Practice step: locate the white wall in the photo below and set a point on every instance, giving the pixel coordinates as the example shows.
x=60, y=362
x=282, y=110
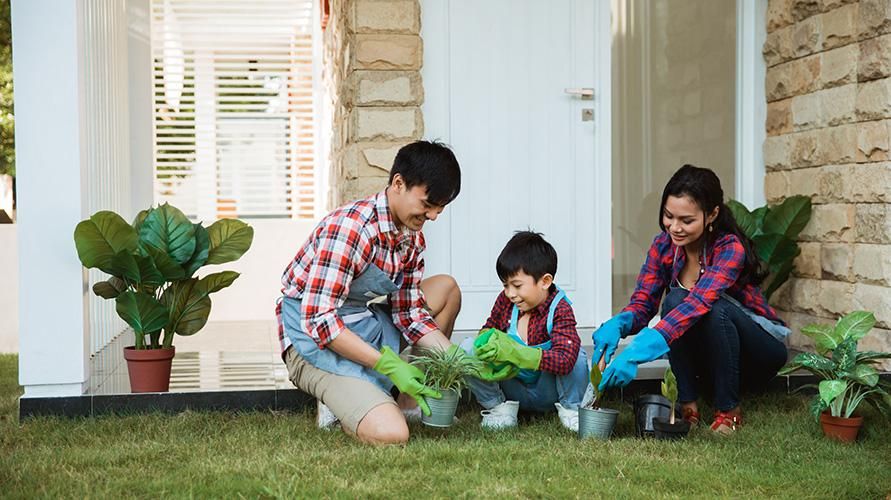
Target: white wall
x=253, y=295
x=9, y=285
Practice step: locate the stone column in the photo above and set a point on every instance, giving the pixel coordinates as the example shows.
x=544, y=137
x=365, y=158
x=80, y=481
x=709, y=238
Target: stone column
x=828, y=89
x=372, y=56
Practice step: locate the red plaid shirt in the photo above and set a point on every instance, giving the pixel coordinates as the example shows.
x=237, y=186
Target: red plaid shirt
x=723, y=260
x=565, y=342
x=342, y=246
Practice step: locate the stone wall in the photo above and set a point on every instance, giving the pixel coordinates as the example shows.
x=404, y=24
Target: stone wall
x=828, y=88
x=372, y=56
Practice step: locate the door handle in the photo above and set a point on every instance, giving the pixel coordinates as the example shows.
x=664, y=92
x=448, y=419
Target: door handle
x=586, y=94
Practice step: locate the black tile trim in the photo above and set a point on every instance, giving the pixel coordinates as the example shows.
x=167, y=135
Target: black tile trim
x=273, y=399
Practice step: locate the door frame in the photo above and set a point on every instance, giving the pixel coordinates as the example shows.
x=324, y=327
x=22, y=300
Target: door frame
x=436, y=73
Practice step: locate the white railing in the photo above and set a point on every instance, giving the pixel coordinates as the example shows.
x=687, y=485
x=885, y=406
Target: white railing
x=106, y=145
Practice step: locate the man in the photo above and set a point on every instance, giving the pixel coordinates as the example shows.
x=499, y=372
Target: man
x=357, y=284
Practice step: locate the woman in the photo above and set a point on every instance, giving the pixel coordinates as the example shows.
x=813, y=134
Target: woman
x=716, y=325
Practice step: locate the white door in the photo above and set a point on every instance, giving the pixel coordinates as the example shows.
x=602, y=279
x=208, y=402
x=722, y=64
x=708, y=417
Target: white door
x=532, y=154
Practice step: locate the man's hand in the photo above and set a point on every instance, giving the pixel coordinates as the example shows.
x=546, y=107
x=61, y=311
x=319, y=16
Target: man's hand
x=407, y=378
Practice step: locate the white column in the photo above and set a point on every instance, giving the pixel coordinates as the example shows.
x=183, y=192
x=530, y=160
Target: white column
x=49, y=81
x=751, y=103
x=139, y=68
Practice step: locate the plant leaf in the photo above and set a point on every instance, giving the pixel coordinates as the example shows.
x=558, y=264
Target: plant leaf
x=865, y=374
x=229, y=240
x=109, y=289
x=817, y=407
x=217, y=281
x=149, y=275
x=199, y=256
x=169, y=230
x=855, y=325
x=669, y=385
x=811, y=362
x=743, y=217
x=824, y=336
x=775, y=249
x=845, y=355
x=759, y=214
x=169, y=269
x=140, y=218
x=141, y=311
x=779, y=277
x=124, y=265
x=789, y=217
x=596, y=376
x=102, y=236
x=831, y=389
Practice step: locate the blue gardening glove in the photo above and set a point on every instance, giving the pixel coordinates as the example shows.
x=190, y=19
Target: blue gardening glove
x=606, y=338
x=647, y=345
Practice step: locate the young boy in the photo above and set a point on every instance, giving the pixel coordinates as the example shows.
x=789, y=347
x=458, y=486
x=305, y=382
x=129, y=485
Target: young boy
x=541, y=340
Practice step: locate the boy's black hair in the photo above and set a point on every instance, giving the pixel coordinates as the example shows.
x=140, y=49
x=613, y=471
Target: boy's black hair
x=430, y=164
x=526, y=251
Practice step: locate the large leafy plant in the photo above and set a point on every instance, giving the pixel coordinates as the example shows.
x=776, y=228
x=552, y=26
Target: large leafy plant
x=152, y=263
x=849, y=376
x=774, y=230
x=446, y=369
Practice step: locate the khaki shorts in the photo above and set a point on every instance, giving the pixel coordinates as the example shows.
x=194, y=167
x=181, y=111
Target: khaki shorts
x=349, y=398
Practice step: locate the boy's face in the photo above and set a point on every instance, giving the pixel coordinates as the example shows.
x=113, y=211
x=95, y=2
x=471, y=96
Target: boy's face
x=409, y=206
x=525, y=292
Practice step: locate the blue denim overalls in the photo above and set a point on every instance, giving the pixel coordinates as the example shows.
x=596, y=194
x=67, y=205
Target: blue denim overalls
x=373, y=323
x=531, y=376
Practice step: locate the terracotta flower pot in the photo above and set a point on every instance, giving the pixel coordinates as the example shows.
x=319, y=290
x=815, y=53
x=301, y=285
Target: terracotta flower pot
x=840, y=428
x=149, y=369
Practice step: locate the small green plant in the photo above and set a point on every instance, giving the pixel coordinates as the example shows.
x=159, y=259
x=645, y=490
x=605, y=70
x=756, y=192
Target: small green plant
x=446, y=368
x=596, y=376
x=774, y=229
x=670, y=391
x=849, y=376
x=152, y=263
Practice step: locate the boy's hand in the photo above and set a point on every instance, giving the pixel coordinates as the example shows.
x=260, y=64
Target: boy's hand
x=500, y=348
x=491, y=372
x=484, y=337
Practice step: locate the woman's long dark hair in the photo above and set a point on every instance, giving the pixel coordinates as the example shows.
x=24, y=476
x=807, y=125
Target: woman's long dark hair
x=704, y=188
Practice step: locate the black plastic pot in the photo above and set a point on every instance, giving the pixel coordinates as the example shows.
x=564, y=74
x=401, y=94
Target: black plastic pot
x=648, y=407
x=664, y=430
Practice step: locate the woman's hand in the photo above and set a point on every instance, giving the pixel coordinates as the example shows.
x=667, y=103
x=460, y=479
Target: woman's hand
x=606, y=338
x=647, y=345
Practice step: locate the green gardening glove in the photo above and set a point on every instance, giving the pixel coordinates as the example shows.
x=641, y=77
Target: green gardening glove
x=409, y=379
x=500, y=348
x=496, y=373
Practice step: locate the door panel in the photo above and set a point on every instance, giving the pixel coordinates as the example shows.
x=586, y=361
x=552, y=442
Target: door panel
x=495, y=74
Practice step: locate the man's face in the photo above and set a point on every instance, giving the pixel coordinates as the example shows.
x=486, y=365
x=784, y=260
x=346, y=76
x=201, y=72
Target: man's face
x=410, y=206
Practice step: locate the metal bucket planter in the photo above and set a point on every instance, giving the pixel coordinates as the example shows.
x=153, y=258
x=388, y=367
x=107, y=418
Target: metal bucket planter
x=840, y=428
x=665, y=430
x=149, y=369
x=597, y=423
x=442, y=411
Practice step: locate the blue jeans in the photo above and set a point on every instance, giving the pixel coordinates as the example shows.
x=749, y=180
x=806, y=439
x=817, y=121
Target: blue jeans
x=725, y=350
x=567, y=389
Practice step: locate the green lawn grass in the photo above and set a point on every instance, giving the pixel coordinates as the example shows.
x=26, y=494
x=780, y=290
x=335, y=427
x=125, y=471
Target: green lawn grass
x=780, y=453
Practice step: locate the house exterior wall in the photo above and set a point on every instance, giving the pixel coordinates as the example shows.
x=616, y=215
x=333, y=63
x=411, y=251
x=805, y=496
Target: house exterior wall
x=373, y=53
x=828, y=88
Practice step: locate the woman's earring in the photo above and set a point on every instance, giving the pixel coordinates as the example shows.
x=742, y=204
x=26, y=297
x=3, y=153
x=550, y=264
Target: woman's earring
x=711, y=227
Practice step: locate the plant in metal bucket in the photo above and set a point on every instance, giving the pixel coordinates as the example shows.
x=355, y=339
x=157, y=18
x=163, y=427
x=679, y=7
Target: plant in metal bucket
x=595, y=421
x=446, y=370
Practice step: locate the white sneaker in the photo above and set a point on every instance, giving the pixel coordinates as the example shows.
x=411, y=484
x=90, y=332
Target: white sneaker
x=325, y=417
x=502, y=416
x=568, y=417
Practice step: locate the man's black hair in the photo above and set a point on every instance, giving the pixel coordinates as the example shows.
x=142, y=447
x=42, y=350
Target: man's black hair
x=430, y=164
x=526, y=251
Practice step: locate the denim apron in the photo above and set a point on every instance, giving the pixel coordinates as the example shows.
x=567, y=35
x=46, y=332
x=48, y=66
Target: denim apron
x=373, y=323
x=527, y=376
x=776, y=330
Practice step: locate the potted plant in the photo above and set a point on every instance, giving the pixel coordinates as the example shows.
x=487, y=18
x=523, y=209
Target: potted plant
x=669, y=427
x=446, y=370
x=847, y=376
x=595, y=421
x=774, y=230
x=152, y=263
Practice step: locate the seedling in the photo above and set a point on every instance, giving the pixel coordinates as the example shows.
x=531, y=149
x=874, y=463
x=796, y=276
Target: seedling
x=670, y=391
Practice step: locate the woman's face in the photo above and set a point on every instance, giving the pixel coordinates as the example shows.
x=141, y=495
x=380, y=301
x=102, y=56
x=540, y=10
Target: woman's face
x=684, y=220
